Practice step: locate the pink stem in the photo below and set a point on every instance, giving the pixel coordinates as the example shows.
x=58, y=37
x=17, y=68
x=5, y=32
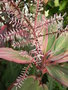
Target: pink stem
x=34, y=32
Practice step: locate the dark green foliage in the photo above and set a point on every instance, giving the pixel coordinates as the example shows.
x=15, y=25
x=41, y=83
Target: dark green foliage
x=54, y=85
x=60, y=7
x=8, y=73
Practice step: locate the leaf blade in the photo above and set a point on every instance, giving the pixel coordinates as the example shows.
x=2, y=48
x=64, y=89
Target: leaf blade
x=31, y=84
x=15, y=56
x=59, y=73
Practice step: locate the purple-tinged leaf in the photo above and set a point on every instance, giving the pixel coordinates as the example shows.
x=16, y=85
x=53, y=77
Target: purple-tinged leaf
x=45, y=42
x=15, y=56
x=45, y=38
x=61, y=58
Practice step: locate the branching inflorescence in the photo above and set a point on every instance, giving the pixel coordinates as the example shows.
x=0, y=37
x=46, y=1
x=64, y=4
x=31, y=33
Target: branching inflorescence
x=21, y=31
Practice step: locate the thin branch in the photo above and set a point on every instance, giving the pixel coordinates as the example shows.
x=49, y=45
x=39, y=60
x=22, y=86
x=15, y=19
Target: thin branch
x=34, y=33
x=16, y=7
x=45, y=23
x=61, y=31
x=51, y=33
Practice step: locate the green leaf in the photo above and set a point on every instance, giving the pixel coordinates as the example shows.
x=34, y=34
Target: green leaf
x=61, y=44
x=51, y=38
x=62, y=5
x=56, y=2
x=31, y=84
x=59, y=73
x=15, y=56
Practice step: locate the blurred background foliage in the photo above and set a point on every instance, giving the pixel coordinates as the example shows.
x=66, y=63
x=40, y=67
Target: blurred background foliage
x=48, y=8
x=9, y=71
x=57, y=6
